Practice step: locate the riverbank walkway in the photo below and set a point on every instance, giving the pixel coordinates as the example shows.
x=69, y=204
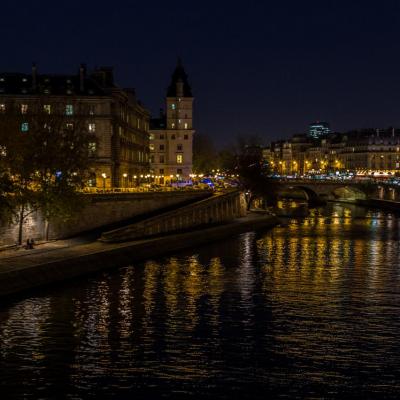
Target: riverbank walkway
x=60, y=260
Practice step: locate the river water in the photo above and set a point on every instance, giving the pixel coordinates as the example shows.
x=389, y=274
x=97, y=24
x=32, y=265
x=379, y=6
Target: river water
x=310, y=309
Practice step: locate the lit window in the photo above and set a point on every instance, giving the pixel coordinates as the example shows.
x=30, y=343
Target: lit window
x=2, y=107
x=24, y=127
x=173, y=125
x=92, y=110
x=92, y=128
x=138, y=123
x=173, y=106
x=179, y=147
x=151, y=136
x=179, y=158
x=70, y=126
x=3, y=151
x=47, y=108
x=161, y=147
x=92, y=148
x=69, y=109
x=186, y=125
x=151, y=146
x=24, y=108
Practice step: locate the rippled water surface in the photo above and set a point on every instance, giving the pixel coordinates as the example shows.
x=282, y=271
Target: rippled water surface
x=306, y=310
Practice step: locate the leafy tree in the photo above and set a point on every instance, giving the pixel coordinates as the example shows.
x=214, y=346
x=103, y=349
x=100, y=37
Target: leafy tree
x=45, y=159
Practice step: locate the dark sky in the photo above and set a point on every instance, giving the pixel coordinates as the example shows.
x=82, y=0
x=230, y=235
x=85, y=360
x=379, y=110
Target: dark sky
x=256, y=67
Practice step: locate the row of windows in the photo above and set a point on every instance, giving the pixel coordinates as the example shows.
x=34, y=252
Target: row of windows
x=173, y=136
x=185, y=125
x=25, y=127
x=179, y=147
x=69, y=109
x=161, y=159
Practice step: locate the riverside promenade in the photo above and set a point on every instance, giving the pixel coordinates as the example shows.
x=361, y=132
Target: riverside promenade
x=66, y=259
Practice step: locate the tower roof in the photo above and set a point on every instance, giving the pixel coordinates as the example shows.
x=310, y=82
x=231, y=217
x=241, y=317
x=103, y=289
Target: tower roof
x=179, y=75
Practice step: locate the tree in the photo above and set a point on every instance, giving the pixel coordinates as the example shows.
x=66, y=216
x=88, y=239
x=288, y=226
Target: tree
x=245, y=159
x=204, y=154
x=45, y=159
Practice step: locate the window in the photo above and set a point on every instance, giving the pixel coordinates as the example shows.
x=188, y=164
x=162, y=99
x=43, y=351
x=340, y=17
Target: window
x=2, y=107
x=92, y=148
x=69, y=126
x=69, y=109
x=47, y=108
x=186, y=125
x=161, y=147
x=92, y=127
x=186, y=137
x=151, y=136
x=151, y=146
x=24, y=127
x=24, y=108
x=173, y=125
x=179, y=158
x=161, y=170
x=3, y=151
x=173, y=106
x=162, y=159
x=162, y=136
x=179, y=171
x=173, y=137
x=179, y=147
x=92, y=110
x=138, y=123
x=152, y=159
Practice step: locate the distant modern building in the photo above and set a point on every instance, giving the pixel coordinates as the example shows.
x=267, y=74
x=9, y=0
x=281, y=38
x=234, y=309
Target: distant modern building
x=121, y=153
x=171, y=135
x=318, y=129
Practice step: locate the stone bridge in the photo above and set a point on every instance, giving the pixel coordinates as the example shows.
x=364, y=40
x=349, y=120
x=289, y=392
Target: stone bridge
x=316, y=191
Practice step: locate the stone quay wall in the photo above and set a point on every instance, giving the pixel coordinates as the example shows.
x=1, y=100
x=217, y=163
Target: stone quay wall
x=101, y=210
x=216, y=209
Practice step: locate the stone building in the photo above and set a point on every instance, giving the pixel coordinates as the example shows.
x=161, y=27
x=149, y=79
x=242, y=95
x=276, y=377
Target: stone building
x=118, y=120
x=171, y=135
x=363, y=152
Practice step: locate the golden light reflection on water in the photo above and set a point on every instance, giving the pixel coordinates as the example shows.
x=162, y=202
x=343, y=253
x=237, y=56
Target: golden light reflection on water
x=308, y=286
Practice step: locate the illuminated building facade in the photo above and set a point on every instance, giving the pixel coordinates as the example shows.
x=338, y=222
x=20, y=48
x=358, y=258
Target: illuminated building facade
x=118, y=120
x=364, y=152
x=171, y=135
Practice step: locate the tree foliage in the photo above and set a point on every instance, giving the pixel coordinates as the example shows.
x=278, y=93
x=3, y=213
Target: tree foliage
x=44, y=159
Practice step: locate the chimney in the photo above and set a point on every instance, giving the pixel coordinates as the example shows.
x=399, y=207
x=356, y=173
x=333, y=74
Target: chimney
x=82, y=74
x=34, y=77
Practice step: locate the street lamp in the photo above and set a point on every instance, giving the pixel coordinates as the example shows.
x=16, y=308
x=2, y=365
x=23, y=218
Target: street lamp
x=104, y=175
x=125, y=175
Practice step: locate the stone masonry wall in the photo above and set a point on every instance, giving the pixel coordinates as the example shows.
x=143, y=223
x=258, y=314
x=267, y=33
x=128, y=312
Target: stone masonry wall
x=102, y=210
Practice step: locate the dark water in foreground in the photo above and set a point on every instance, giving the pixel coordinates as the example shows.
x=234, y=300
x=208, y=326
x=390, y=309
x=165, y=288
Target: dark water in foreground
x=309, y=310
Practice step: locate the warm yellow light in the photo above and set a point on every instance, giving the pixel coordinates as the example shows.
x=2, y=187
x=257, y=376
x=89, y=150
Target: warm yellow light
x=125, y=175
x=104, y=175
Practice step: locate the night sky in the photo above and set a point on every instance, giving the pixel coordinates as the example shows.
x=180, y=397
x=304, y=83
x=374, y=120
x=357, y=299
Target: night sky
x=256, y=67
